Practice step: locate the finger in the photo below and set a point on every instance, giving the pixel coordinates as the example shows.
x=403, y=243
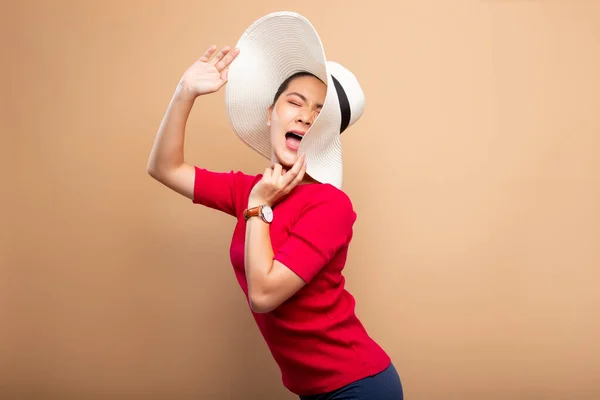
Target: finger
x=219, y=55
x=292, y=173
x=208, y=53
x=227, y=59
x=300, y=175
x=297, y=180
x=224, y=75
x=267, y=173
x=277, y=171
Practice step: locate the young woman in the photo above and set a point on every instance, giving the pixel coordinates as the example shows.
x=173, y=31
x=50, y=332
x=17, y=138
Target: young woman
x=294, y=223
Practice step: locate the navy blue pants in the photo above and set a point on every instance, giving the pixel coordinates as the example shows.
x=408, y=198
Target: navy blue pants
x=382, y=386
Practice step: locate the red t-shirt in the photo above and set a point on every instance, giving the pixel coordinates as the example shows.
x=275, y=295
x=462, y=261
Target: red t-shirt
x=315, y=337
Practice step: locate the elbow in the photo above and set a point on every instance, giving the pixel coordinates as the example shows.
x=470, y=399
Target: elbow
x=161, y=170
x=155, y=171
x=260, y=303
x=151, y=169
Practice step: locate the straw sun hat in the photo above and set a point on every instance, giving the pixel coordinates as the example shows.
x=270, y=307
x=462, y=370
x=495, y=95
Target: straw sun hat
x=274, y=47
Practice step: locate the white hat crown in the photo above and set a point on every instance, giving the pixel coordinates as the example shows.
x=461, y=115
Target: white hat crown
x=350, y=88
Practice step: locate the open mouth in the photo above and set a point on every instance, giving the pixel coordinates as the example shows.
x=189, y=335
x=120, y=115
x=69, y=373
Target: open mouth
x=293, y=139
x=293, y=135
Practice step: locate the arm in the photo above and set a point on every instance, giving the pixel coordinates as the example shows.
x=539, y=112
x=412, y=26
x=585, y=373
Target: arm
x=166, y=163
x=324, y=228
x=270, y=283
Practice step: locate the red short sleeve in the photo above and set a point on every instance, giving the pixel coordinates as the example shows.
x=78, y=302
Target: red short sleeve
x=324, y=227
x=223, y=191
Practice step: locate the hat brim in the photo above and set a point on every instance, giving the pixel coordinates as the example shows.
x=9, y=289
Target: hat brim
x=273, y=48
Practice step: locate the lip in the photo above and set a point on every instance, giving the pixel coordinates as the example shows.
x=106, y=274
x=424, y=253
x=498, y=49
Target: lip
x=292, y=145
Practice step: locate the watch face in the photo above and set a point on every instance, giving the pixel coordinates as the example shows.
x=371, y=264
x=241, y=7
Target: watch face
x=267, y=213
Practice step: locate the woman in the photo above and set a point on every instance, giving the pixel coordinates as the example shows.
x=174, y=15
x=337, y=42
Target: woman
x=294, y=223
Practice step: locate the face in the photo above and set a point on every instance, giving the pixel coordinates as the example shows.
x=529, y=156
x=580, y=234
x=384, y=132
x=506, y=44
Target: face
x=294, y=112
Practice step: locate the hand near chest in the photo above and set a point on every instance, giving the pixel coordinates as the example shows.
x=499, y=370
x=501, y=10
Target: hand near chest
x=276, y=183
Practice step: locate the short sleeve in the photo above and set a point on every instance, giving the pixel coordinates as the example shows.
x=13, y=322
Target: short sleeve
x=323, y=228
x=223, y=191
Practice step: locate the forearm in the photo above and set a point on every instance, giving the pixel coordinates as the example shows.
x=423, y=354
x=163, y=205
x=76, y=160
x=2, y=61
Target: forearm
x=168, y=151
x=258, y=258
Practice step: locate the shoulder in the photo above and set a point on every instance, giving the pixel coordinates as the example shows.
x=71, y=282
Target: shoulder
x=329, y=193
x=244, y=178
x=243, y=184
x=331, y=202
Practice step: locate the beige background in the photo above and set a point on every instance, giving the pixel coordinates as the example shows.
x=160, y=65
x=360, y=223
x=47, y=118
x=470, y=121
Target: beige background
x=474, y=172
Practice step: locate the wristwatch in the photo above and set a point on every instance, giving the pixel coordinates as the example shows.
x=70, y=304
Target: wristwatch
x=263, y=211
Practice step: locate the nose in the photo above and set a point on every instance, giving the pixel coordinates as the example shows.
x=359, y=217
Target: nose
x=305, y=117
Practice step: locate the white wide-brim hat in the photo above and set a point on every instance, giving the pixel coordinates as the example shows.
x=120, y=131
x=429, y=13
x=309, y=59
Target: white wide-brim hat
x=273, y=48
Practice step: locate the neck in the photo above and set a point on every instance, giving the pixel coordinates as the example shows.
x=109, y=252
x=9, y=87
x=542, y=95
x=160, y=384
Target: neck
x=308, y=179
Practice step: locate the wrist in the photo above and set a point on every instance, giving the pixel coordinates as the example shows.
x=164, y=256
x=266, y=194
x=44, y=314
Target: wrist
x=255, y=201
x=184, y=93
x=259, y=209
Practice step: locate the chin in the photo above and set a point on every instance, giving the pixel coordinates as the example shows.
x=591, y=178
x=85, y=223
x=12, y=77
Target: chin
x=286, y=157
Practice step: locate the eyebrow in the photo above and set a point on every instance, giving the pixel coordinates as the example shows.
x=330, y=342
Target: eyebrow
x=303, y=98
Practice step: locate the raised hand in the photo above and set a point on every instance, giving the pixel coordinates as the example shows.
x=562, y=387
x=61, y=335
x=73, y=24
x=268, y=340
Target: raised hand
x=276, y=183
x=208, y=74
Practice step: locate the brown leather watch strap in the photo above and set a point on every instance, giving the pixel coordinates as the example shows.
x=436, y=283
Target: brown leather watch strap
x=252, y=212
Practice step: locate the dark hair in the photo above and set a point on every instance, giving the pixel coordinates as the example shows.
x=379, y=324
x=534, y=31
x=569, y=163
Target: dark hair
x=286, y=83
